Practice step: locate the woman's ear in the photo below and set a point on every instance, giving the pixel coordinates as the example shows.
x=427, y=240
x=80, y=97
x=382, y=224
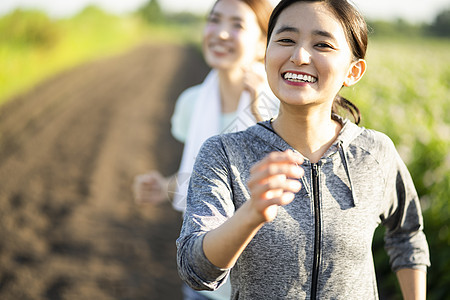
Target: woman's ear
x=356, y=72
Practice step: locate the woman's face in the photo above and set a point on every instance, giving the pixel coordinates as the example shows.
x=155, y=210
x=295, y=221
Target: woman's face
x=232, y=37
x=308, y=58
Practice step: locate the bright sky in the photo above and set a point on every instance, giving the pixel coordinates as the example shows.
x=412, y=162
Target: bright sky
x=411, y=10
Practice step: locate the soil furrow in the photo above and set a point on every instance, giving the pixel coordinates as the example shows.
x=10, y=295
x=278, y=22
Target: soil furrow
x=69, y=150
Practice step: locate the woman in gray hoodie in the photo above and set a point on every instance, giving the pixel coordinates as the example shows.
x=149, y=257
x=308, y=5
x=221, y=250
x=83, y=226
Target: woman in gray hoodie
x=288, y=207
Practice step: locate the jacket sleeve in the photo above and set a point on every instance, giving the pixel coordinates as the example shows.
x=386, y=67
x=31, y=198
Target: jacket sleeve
x=209, y=204
x=405, y=241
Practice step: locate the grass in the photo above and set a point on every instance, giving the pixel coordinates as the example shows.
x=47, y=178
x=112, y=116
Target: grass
x=406, y=94
x=26, y=64
x=88, y=36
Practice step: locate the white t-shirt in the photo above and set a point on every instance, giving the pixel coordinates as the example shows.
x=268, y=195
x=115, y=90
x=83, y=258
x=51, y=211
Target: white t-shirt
x=184, y=108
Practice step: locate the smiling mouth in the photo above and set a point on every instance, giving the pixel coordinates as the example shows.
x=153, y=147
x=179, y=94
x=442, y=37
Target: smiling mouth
x=219, y=49
x=299, y=77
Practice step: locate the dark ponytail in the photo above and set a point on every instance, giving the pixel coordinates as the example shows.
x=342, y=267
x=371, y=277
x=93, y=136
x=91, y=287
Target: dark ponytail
x=341, y=103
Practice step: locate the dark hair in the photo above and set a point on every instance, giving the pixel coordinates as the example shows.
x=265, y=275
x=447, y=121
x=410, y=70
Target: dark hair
x=356, y=32
x=262, y=10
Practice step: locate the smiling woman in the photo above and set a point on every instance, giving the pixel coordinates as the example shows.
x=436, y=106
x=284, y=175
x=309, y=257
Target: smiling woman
x=228, y=32
x=288, y=208
x=234, y=95
x=327, y=47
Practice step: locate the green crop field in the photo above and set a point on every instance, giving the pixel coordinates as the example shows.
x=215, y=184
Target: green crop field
x=406, y=94
x=34, y=47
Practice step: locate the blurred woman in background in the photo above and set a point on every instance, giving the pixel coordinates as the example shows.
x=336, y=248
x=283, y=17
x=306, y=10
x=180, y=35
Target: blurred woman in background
x=234, y=96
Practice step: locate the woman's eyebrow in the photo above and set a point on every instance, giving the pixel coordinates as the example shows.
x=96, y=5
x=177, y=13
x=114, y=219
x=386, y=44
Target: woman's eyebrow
x=237, y=19
x=287, y=29
x=324, y=34
x=232, y=18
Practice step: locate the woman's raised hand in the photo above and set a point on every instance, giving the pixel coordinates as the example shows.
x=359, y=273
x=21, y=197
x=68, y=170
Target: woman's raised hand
x=274, y=182
x=150, y=188
x=253, y=82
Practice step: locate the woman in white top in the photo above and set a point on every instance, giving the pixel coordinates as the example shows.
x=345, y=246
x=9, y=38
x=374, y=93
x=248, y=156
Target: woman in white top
x=234, y=96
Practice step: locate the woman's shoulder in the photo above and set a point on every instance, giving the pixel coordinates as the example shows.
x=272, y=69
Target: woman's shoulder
x=376, y=138
x=235, y=139
x=377, y=143
x=254, y=138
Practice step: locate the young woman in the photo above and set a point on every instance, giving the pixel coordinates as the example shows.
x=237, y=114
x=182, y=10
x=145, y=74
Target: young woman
x=234, y=95
x=288, y=207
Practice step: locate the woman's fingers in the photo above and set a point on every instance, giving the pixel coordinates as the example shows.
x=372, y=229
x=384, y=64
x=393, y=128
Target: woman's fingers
x=149, y=188
x=287, y=156
x=287, y=169
x=274, y=184
x=275, y=179
x=277, y=163
x=281, y=194
x=253, y=82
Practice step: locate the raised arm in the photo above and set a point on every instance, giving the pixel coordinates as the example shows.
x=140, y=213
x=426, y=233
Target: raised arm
x=273, y=182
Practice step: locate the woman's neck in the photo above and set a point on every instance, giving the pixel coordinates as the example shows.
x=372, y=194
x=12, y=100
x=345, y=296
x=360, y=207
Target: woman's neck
x=230, y=87
x=310, y=131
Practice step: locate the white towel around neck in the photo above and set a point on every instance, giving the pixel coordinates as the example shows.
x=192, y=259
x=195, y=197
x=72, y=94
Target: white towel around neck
x=205, y=123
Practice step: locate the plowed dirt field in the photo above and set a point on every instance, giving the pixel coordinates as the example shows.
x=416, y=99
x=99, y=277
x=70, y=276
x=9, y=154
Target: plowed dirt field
x=69, y=149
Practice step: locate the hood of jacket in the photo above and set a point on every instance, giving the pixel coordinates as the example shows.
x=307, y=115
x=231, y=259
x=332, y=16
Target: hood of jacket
x=347, y=135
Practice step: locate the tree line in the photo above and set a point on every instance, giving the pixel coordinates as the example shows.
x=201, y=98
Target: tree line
x=152, y=13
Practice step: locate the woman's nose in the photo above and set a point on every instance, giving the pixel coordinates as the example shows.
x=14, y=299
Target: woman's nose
x=224, y=33
x=301, y=56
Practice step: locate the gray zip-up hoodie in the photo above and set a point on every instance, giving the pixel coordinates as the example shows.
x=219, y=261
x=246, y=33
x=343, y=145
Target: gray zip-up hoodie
x=319, y=245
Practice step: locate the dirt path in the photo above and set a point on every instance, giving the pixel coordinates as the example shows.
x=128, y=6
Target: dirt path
x=68, y=152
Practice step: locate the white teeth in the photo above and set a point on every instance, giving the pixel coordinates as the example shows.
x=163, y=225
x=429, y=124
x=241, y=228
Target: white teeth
x=219, y=48
x=299, y=77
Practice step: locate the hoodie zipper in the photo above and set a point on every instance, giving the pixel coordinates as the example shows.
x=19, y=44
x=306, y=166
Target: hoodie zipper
x=317, y=230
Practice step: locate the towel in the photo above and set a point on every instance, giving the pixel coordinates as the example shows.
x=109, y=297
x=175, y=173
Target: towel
x=205, y=123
